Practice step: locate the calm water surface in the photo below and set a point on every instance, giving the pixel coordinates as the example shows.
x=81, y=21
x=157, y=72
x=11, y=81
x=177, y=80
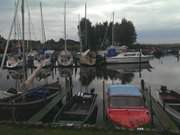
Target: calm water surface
x=163, y=71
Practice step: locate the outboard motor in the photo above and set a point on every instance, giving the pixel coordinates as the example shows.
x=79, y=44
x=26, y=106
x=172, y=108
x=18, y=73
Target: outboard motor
x=164, y=88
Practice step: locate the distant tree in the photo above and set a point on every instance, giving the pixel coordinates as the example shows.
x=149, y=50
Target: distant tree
x=125, y=33
x=85, y=30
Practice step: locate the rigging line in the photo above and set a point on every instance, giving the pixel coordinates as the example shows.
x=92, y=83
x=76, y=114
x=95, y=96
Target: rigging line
x=29, y=24
x=42, y=25
x=65, y=26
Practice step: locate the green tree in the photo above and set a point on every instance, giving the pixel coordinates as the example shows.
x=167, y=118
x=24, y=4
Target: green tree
x=85, y=30
x=125, y=33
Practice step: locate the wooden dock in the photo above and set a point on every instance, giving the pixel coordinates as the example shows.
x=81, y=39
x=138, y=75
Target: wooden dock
x=166, y=123
x=43, y=112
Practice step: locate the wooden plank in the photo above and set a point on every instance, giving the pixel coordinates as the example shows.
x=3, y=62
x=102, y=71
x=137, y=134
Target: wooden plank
x=38, y=116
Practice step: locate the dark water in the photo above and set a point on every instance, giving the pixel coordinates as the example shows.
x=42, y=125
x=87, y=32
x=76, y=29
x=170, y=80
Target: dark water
x=163, y=71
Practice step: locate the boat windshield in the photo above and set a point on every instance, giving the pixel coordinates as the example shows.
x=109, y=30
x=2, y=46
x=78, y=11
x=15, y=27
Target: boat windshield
x=119, y=101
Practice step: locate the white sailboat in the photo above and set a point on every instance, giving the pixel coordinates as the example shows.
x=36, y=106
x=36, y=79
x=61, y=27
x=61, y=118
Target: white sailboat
x=15, y=60
x=65, y=57
x=87, y=58
x=44, y=58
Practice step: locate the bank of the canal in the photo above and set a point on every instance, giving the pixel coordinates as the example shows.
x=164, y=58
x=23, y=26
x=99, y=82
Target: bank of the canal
x=24, y=130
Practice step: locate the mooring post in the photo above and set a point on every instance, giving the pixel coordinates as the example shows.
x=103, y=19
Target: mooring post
x=142, y=84
x=151, y=108
x=140, y=51
x=143, y=88
x=104, y=115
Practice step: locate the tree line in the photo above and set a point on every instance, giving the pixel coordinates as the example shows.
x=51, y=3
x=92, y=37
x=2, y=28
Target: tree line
x=99, y=36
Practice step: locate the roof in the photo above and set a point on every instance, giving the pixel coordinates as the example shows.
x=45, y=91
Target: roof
x=123, y=90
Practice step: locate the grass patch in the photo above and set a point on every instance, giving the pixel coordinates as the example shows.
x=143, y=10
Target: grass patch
x=23, y=130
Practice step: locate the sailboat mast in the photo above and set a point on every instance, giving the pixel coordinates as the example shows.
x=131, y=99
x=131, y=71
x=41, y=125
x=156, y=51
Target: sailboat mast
x=79, y=32
x=29, y=26
x=23, y=38
x=113, y=30
x=42, y=25
x=65, y=42
x=9, y=36
x=86, y=43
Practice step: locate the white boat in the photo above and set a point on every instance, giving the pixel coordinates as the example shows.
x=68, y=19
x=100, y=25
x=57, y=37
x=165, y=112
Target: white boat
x=46, y=58
x=14, y=62
x=43, y=59
x=65, y=57
x=128, y=57
x=88, y=58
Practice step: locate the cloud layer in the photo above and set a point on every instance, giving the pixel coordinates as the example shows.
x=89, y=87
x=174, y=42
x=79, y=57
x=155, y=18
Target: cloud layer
x=156, y=21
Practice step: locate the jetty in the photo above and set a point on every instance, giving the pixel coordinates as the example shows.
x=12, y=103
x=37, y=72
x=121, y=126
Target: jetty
x=43, y=112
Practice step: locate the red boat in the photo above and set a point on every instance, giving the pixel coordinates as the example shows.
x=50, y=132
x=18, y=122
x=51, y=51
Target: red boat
x=126, y=107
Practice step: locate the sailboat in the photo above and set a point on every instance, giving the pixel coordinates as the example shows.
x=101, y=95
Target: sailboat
x=87, y=58
x=65, y=57
x=15, y=60
x=46, y=55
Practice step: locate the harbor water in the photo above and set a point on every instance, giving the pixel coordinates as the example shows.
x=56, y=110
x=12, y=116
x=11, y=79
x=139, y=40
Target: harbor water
x=160, y=71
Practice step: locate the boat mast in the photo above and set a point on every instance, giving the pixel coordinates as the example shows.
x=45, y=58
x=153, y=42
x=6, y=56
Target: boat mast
x=113, y=31
x=42, y=26
x=65, y=42
x=79, y=21
x=29, y=26
x=86, y=43
x=23, y=38
x=10, y=33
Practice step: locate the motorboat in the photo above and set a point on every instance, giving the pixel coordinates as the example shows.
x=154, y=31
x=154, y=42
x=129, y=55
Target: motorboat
x=125, y=106
x=128, y=57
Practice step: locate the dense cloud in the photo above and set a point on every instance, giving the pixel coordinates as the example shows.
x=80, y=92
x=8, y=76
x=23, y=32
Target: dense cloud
x=156, y=21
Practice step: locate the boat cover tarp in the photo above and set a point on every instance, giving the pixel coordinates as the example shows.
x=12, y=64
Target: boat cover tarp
x=38, y=92
x=124, y=90
x=111, y=52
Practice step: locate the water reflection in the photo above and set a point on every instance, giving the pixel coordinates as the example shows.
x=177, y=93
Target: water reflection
x=72, y=80
x=87, y=75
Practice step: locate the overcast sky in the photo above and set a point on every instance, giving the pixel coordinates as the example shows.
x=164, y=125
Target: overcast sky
x=156, y=21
